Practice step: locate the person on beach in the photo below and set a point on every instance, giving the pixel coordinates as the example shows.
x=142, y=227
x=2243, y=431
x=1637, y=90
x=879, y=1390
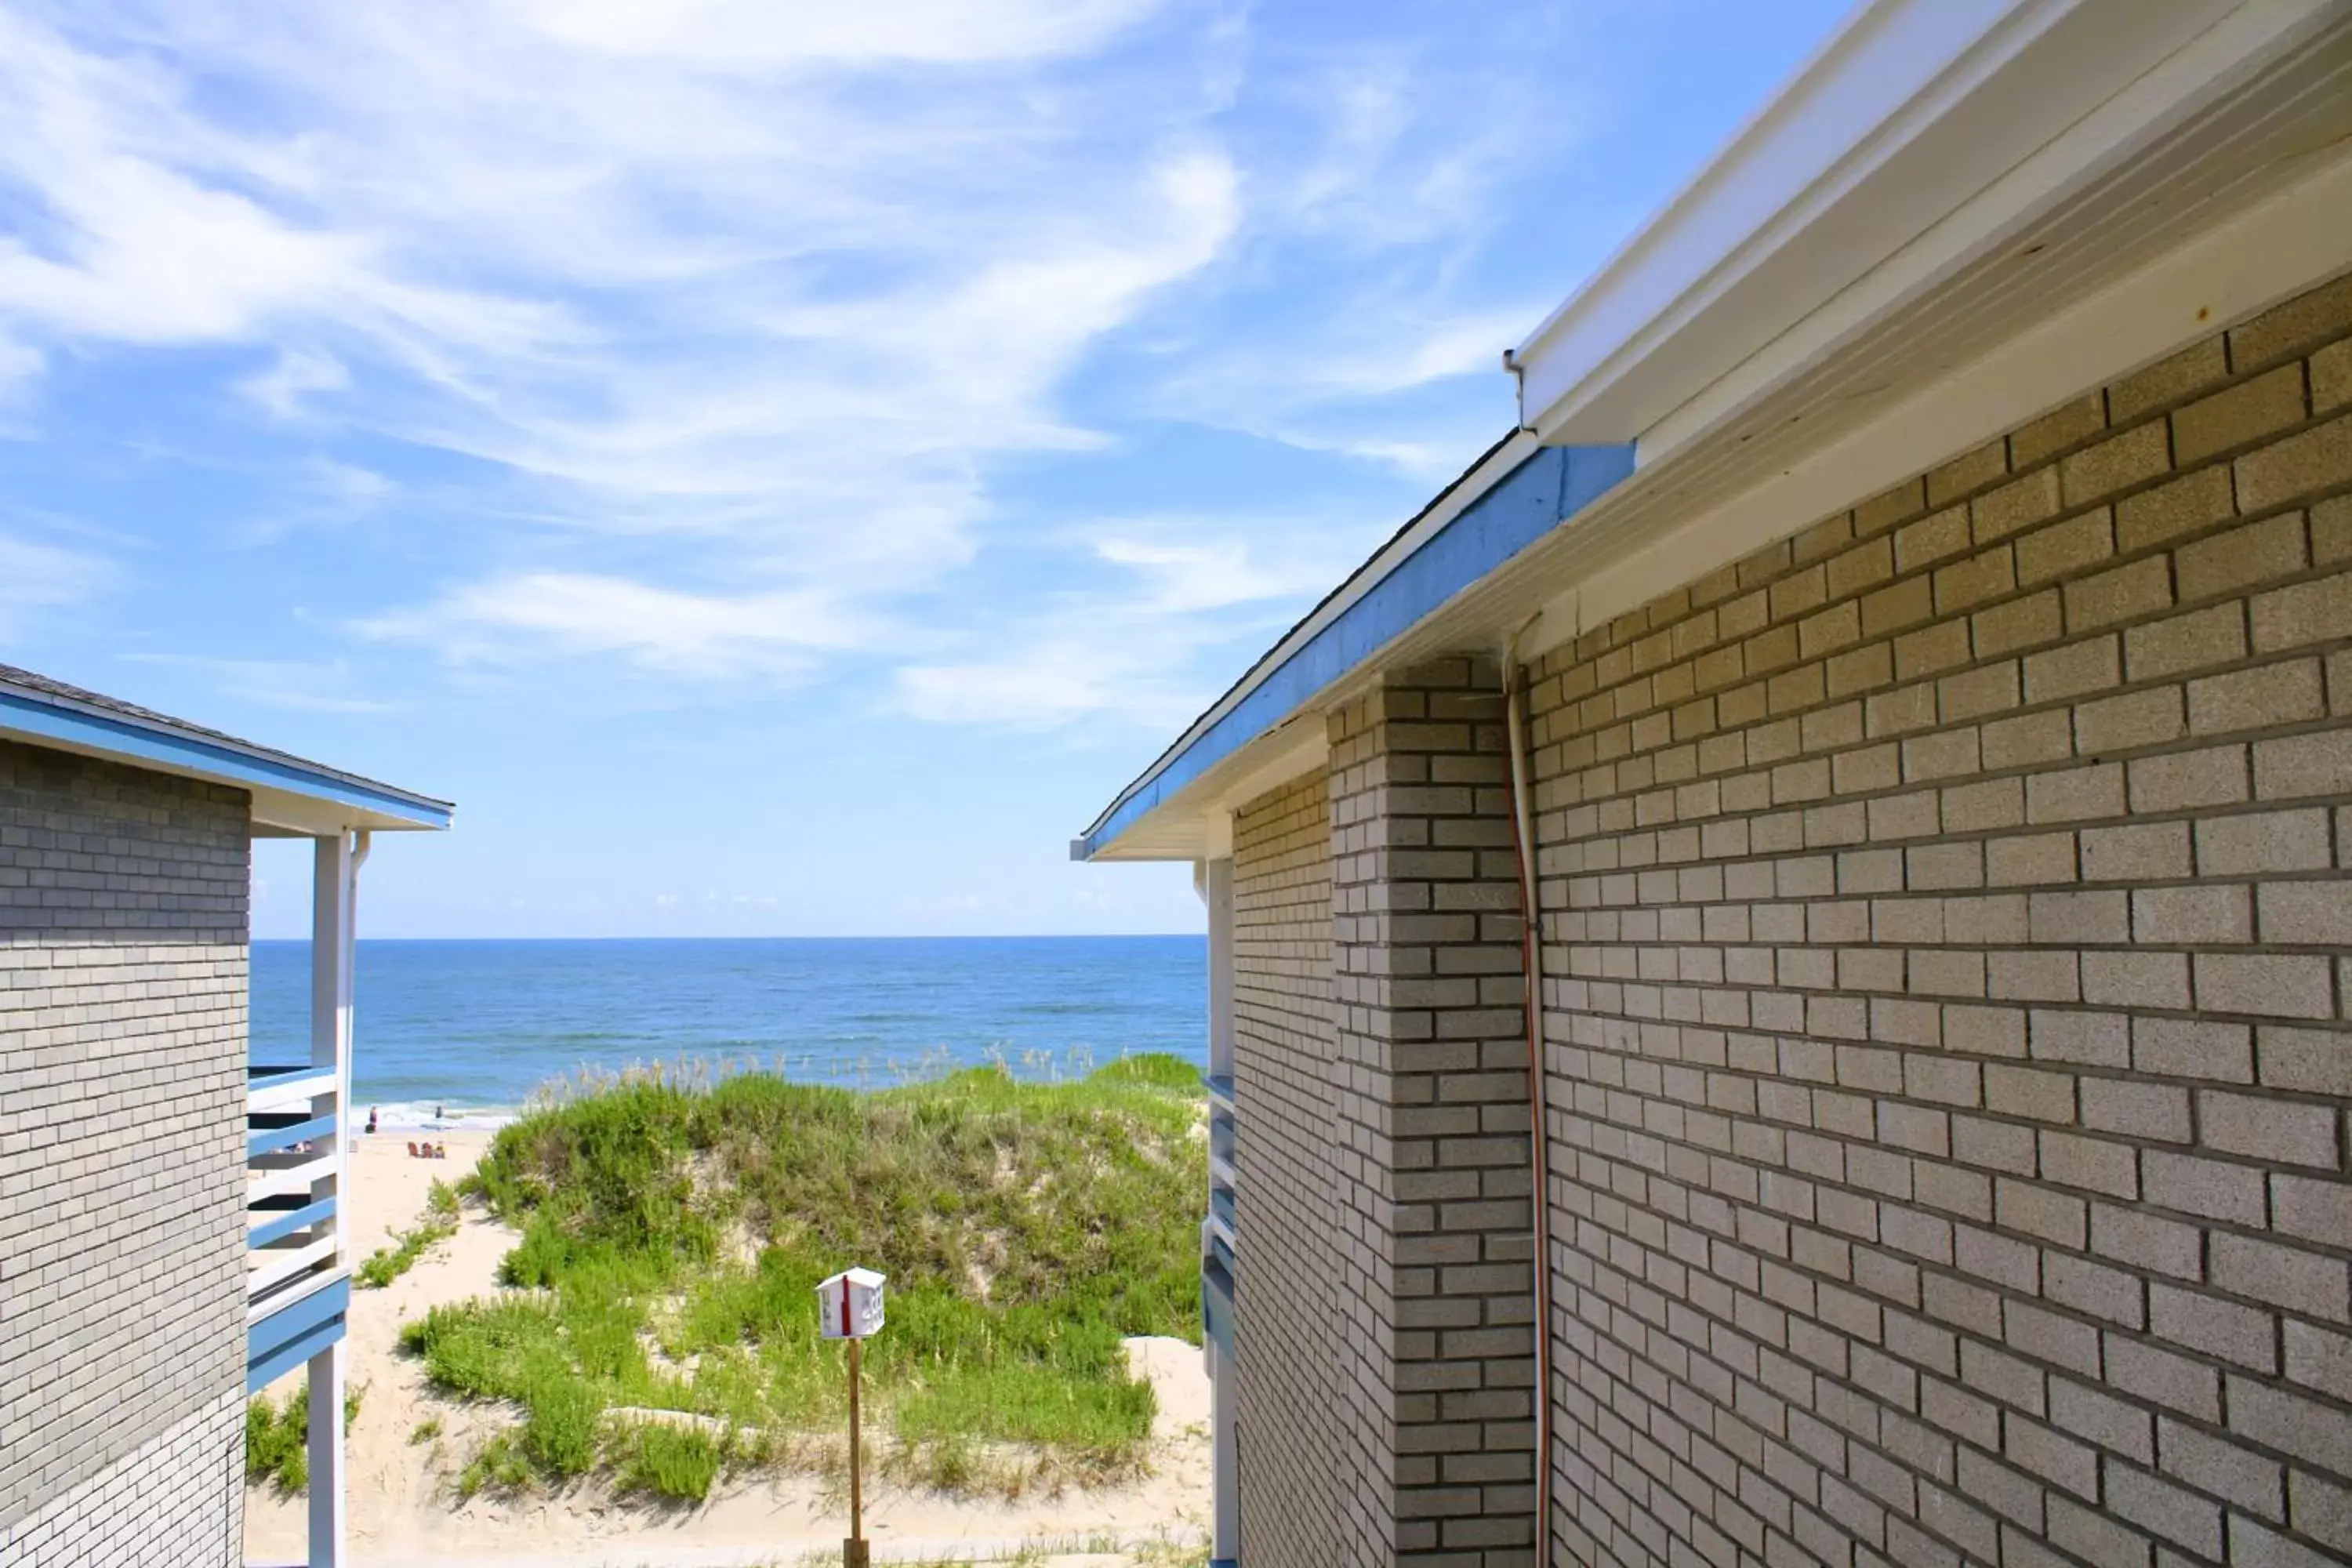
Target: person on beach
x=371, y=1126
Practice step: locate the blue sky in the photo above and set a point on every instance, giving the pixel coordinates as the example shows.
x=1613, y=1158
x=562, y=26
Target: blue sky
x=780, y=467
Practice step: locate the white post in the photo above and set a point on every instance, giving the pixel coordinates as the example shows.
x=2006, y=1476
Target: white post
x=333, y=888
x=1218, y=892
x=1224, y=1453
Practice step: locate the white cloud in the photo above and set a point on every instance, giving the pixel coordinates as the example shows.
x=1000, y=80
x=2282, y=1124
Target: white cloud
x=719, y=255
x=663, y=631
x=18, y=366
x=741, y=34
x=1133, y=649
x=743, y=307
x=285, y=386
x=38, y=578
x=328, y=687
x=757, y=277
x=347, y=485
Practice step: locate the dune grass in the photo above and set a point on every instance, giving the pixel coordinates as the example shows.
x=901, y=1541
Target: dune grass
x=673, y=1237
x=278, y=1438
x=438, y=1222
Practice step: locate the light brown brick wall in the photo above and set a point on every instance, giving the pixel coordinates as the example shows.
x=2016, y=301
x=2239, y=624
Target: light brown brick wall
x=1432, y=1122
x=1286, y=1309
x=122, y=1054
x=1949, y=955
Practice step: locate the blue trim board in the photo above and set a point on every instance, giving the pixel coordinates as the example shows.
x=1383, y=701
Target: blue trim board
x=295, y=1333
x=260, y=1374
x=180, y=751
x=1551, y=486
x=1217, y=1306
x=287, y=1223
x=263, y=1141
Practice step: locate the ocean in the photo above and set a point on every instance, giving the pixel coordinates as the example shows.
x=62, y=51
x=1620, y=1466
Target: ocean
x=463, y=1033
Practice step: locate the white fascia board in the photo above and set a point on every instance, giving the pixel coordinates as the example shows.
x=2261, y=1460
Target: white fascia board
x=2180, y=85
x=1911, y=110
x=2298, y=237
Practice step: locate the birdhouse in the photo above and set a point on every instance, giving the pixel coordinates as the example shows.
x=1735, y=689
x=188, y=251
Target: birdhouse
x=849, y=1305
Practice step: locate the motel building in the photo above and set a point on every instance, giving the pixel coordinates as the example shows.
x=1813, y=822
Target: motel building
x=1903, y=657
x=169, y=1241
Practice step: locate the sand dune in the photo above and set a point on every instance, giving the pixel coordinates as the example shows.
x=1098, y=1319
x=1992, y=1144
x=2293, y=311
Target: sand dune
x=402, y=1512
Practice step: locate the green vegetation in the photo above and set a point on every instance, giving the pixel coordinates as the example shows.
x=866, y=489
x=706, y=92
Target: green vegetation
x=276, y=1437
x=658, y=1459
x=673, y=1237
x=438, y=1222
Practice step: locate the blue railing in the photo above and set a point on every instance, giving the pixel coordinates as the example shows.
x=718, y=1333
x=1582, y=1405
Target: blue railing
x=296, y=1294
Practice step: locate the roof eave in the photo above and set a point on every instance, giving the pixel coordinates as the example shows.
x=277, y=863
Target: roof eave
x=1680, y=346
x=289, y=794
x=1514, y=496
x=1932, y=130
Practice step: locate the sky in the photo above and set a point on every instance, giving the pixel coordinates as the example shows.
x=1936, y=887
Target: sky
x=779, y=466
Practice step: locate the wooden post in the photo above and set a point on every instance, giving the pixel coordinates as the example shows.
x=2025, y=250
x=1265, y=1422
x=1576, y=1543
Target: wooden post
x=852, y=1550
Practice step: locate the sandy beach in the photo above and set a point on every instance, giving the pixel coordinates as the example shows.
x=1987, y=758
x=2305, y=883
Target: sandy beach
x=402, y=1510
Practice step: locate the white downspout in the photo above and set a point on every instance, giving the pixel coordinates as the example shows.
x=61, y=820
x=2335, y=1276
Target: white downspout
x=1523, y=842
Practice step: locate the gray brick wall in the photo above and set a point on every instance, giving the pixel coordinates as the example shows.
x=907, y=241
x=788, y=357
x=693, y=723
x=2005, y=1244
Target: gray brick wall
x=123, y=1048
x=178, y=1501
x=1950, y=958
x=1286, y=1310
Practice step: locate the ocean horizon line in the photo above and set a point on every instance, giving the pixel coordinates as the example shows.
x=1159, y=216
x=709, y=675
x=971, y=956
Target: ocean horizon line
x=486, y=1021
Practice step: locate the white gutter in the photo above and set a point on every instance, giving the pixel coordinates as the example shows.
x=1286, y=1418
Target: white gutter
x=1909, y=113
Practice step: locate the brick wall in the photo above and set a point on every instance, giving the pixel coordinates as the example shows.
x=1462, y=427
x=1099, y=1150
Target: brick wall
x=179, y=1499
x=1286, y=1306
x=122, y=1046
x=1946, y=935
x=1432, y=1114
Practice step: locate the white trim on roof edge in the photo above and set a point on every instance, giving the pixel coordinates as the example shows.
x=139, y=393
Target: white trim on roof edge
x=1934, y=127
x=2296, y=239
x=2005, y=212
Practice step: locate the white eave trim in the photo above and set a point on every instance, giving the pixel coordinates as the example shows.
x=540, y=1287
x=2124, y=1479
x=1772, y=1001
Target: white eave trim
x=1885, y=140
x=2292, y=241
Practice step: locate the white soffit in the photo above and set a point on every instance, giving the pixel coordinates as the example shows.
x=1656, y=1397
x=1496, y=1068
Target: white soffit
x=1652, y=536
x=1937, y=131
x=2243, y=199
x=1197, y=822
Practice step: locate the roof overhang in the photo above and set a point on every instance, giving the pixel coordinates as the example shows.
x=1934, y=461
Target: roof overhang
x=1995, y=156
x=290, y=796
x=1519, y=492
x=1959, y=214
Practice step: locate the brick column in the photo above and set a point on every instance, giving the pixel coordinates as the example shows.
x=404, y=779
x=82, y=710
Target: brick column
x=1431, y=1119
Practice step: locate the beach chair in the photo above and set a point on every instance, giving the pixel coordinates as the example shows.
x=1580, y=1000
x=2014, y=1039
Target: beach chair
x=412, y=1149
